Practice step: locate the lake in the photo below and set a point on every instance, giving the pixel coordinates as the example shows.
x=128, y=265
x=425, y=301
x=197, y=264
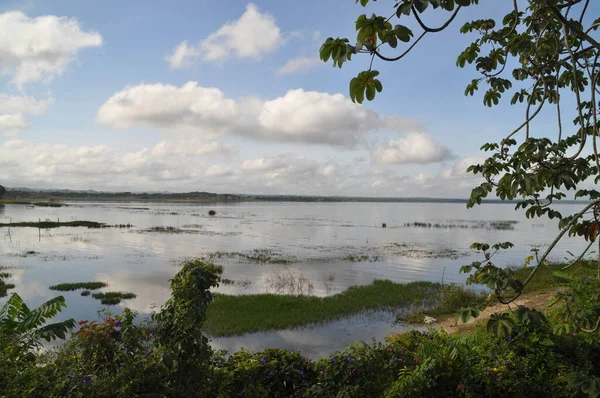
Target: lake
x=322, y=247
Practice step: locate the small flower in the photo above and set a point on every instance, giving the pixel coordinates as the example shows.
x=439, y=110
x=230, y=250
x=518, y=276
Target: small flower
x=148, y=351
x=401, y=360
x=347, y=361
x=574, y=334
x=391, y=362
x=150, y=335
x=507, y=362
x=291, y=352
x=461, y=385
x=85, y=380
x=118, y=324
x=271, y=373
x=264, y=360
x=332, y=360
x=322, y=373
x=301, y=372
x=70, y=374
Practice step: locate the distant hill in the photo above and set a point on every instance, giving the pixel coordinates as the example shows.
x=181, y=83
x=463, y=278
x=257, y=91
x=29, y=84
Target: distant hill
x=208, y=197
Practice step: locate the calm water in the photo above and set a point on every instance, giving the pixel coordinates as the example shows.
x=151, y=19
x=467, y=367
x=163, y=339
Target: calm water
x=320, y=240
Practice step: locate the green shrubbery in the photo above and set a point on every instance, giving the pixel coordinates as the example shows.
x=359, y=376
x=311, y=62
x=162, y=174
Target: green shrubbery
x=522, y=354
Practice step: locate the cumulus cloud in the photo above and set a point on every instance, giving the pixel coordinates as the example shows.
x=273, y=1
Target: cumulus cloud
x=298, y=64
x=12, y=124
x=299, y=116
x=35, y=49
x=419, y=148
x=253, y=35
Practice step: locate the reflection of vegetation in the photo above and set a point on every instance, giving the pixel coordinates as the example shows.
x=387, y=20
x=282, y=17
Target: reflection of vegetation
x=113, y=298
x=4, y=287
x=67, y=287
x=236, y=315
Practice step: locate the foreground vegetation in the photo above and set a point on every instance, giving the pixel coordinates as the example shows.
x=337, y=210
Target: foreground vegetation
x=169, y=356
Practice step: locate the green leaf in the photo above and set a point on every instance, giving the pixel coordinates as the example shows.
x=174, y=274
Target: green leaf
x=421, y=5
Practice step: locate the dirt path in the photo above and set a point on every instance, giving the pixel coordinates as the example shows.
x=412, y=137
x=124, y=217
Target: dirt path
x=537, y=300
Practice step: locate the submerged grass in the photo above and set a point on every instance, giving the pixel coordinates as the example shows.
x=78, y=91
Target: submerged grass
x=67, y=287
x=236, y=315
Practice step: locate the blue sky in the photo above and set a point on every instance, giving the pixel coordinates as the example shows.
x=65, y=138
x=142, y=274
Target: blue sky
x=196, y=95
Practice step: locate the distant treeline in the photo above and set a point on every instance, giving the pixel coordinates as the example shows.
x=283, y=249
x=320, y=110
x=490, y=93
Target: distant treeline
x=207, y=197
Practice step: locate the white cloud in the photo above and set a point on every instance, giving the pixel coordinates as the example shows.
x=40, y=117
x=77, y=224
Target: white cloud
x=299, y=64
x=299, y=116
x=40, y=165
x=419, y=148
x=253, y=35
x=21, y=104
x=35, y=49
x=12, y=124
x=183, y=56
x=459, y=169
x=12, y=109
x=187, y=148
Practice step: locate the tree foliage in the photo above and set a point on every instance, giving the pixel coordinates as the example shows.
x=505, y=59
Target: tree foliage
x=542, y=55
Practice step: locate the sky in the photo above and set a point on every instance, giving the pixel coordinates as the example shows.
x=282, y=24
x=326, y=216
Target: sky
x=230, y=97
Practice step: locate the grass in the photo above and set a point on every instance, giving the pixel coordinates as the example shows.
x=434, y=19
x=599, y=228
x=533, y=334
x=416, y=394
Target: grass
x=67, y=287
x=236, y=315
x=85, y=293
x=55, y=224
x=553, y=275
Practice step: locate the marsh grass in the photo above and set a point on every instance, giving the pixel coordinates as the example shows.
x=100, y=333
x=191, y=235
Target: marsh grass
x=85, y=293
x=236, y=315
x=289, y=282
x=67, y=287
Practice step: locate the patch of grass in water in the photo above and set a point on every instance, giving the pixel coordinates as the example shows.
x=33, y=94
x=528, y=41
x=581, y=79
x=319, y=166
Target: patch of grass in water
x=236, y=315
x=85, y=293
x=169, y=230
x=67, y=287
x=260, y=256
x=113, y=298
x=466, y=224
x=55, y=224
x=226, y=281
